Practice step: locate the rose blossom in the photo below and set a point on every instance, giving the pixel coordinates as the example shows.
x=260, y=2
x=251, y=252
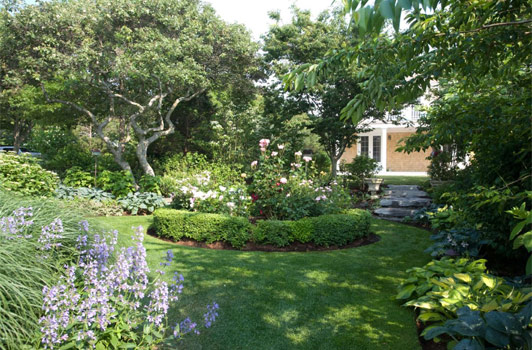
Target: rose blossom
x=307, y=158
x=280, y=146
x=283, y=180
x=298, y=154
x=254, y=163
x=274, y=154
x=263, y=143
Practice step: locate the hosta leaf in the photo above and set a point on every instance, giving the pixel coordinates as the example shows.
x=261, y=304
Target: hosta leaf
x=469, y=344
x=406, y=292
x=431, y=316
x=463, y=277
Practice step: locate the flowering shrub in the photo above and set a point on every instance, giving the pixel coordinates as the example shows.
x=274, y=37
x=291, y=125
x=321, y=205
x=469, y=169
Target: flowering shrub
x=106, y=300
x=291, y=192
x=202, y=193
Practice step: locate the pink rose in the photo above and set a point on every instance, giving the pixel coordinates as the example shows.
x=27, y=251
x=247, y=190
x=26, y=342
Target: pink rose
x=283, y=180
x=280, y=146
x=254, y=163
x=307, y=158
x=263, y=143
x=274, y=154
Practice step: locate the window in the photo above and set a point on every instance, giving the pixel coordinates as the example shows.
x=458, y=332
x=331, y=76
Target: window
x=377, y=148
x=364, y=146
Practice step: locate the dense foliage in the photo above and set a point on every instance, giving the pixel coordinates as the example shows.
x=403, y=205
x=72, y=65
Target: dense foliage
x=24, y=175
x=324, y=230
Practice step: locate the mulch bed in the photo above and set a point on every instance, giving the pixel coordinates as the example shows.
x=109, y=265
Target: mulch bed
x=294, y=247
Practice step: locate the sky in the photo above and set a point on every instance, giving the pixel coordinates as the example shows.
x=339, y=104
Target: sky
x=254, y=13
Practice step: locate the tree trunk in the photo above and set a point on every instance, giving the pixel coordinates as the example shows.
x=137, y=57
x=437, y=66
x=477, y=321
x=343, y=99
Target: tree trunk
x=21, y=130
x=334, y=166
x=142, y=155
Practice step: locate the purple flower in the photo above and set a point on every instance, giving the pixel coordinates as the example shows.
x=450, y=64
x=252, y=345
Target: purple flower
x=211, y=314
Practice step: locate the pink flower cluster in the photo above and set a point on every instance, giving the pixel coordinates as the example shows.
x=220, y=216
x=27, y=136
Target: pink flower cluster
x=263, y=143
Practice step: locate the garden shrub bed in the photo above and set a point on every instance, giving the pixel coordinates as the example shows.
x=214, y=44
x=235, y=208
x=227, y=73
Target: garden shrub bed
x=351, y=228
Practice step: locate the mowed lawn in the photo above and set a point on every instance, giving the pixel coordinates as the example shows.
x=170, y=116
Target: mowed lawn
x=341, y=299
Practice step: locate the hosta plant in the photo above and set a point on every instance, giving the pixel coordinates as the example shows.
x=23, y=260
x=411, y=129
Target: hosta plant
x=442, y=287
x=475, y=330
x=141, y=202
x=465, y=242
x=96, y=194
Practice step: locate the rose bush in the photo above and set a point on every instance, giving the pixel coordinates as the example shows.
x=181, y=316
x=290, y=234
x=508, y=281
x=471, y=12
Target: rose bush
x=290, y=192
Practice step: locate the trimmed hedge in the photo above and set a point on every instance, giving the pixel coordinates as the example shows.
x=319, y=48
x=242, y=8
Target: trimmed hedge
x=202, y=227
x=324, y=230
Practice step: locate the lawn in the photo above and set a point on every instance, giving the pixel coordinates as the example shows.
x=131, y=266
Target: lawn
x=404, y=180
x=319, y=300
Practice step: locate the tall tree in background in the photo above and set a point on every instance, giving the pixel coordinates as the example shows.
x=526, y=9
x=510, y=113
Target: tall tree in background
x=133, y=61
x=304, y=40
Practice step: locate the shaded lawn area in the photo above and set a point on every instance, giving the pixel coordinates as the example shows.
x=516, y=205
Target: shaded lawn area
x=339, y=299
x=404, y=180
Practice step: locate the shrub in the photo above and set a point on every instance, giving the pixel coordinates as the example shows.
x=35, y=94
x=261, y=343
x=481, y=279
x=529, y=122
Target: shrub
x=141, y=202
x=325, y=230
x=442, y=166
x=275, y=232
x=340, y=229
x=76, y=177
x=292, y=192
x=22, y=174
x=149, y=183
x=360, y=168
x=301, y=230
x=119, y=183
x=202, y=227
x=24, y=270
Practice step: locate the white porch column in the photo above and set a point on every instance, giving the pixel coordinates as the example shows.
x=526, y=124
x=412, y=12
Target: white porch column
x=384, y=141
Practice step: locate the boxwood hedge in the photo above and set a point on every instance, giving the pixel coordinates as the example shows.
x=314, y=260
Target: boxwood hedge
x=324, y=230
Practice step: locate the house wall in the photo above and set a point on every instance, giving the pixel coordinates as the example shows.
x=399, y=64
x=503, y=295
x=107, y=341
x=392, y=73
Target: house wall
x=399, y=161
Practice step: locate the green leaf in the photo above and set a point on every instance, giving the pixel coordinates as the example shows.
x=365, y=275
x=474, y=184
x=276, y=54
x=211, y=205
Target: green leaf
x=68, y=345
x=529, y=265
x=433, y=332
x=406, y=292
x=503, y=322
x=490, y=282
x=497, y=338
x=100, y=346
x=463, y=277
x=431, y=316
x=517, y=229
x=387, y=9
x=468, y=344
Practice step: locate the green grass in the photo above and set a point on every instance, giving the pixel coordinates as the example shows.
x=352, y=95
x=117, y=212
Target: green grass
x=404, y=180
x=340, y=299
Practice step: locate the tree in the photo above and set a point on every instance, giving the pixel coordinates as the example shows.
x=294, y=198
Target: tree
x=133, y=62
x=444, y=39
x=304, y=40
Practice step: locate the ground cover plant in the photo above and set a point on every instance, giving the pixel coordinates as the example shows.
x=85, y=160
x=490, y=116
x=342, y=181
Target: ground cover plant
x=339, y=299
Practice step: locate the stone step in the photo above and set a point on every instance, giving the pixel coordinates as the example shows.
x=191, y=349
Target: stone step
x=398, y=213
x=403, y=187
x=405, y=202
x=405, y=194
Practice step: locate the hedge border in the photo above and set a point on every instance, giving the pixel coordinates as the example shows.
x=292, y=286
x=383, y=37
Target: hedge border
x=323, y=231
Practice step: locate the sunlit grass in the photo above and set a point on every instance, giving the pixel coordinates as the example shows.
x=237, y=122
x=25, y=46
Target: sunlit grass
x=318, y=300
x=404, y=180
